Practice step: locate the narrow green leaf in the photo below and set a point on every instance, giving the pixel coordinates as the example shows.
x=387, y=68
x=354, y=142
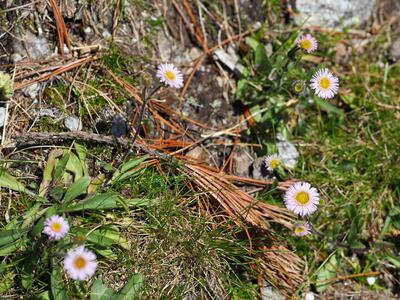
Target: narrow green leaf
x=132, y=289
x=128, y=169
x=8, y=181
x=79, y=187
x=325, y=105
x=8, y=236
x=106, y=237
x=58, y=290
x=101, y=291
x=101, y=201
x=60, y=167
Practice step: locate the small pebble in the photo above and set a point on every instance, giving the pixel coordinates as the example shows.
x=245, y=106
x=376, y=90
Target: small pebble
x=73, y=123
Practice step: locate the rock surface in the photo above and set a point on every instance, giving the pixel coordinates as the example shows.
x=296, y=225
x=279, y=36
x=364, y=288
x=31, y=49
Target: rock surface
x=334, y=13
x=2, y=116
x=73, y=123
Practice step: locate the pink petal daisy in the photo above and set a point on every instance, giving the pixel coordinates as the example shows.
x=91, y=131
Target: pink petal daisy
x=325, y=84
x=80, y=263
x=56, y=227
x=301, y=198
x=170, y=75
x=302, y=229
x=308, y=43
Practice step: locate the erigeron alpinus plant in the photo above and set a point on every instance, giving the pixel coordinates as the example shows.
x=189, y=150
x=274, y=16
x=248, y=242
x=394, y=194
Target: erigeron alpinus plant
x=275, y=87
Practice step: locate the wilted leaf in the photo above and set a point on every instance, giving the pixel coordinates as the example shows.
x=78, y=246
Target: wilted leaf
x=326, y=272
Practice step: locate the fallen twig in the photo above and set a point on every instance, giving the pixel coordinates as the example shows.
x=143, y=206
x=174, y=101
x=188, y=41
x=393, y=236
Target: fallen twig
x=30, y=139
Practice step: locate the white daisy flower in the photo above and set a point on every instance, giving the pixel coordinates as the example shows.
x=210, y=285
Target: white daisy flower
x=301, y=198
x=56, y=227
x=170, y=75
x=80, y=263
x=325, y=84
x=302, y=229
x=308, y=43
x=272, y=162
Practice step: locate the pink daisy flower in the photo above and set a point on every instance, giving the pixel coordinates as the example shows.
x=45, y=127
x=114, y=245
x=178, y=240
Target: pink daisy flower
x=325, y=84
x=170, y=75
x=56, y=227
x=301, y=198
x=308, y=43
x=302, y=229
x=80, y=263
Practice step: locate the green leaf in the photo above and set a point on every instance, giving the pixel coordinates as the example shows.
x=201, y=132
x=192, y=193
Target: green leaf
x=8, y=181
x=326, y=106
x=394, y=260
x=107, y=253
x=12, y=247
x=79, y=187
x=106, y=237
x=260, y=56
x=101, y=291
x=48, y=171
x=100, y=201
x=132, y=289
x=75, y=166
x=6, y=282
x=81, y=152
x=60, y=167
x=326, y=271
x=58, y=290
x=128, y=169
x=8, y=236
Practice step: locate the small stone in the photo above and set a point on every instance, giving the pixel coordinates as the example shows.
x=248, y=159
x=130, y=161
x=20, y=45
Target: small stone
x=34, y=46
x=242, y=163
x=287, y=152
x=269, y=293
x=2, y=116
x=334, y=13
x=394, y=51
x=32, y=91
x=119, y=128
x=72, y=123
x=259, y=170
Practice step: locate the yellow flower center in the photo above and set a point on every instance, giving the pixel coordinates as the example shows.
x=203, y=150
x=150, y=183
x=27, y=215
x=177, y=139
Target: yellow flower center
x=302, y=197
x=298, y=87
x=275, y=163
x=170, y=75
x=80, y=262
x=324, y=82
x=56, y=227
x=306, y=44
x=299, y=229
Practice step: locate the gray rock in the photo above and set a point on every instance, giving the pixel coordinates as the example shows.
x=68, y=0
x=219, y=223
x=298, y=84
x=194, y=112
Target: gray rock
x=73, y=123
x=287, y=152
x=269, y=293
x=2, y=116
x=32, y=91
x=259, y=170
x=49, y=112
x=394, y=51
x=242, y=163
x=32, y=46
x=334, y=13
